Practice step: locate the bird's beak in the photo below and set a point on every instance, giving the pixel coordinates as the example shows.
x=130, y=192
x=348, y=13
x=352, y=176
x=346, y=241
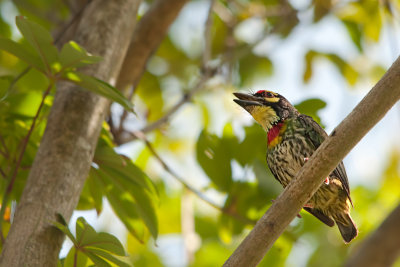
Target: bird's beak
x=246, y=101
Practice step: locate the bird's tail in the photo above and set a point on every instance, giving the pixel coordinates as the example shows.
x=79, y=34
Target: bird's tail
x=346, y=226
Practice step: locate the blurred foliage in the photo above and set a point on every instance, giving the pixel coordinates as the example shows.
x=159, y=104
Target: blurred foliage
x=206, y=143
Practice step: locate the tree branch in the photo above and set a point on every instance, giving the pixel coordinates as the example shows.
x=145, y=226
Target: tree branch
x=66, y=151
x=382, y=247
x=148, y=35
x=349, y=132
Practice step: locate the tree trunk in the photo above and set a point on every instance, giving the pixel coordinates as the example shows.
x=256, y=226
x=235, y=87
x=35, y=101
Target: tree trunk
x=65, y=154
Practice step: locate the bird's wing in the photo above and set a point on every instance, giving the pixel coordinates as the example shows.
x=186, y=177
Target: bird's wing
x=320, y=216
x=317, y=135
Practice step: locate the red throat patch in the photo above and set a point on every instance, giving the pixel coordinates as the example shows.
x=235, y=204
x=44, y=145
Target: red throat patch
x=274, y=132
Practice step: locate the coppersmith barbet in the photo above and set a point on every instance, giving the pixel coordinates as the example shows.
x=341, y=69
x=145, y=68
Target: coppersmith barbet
x=291, y=139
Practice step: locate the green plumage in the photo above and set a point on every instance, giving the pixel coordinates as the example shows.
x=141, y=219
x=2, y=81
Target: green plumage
x=292, y=139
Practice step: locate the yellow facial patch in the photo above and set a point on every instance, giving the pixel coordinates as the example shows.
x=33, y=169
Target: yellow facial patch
x=272, y=99
x=265, y=116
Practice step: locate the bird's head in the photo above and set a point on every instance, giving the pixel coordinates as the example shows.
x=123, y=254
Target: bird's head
x=266, y=107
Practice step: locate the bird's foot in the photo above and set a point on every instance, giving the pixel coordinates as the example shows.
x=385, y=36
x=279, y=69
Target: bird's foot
x=308, y=205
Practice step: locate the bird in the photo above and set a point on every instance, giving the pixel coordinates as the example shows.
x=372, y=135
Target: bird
x=292, y=138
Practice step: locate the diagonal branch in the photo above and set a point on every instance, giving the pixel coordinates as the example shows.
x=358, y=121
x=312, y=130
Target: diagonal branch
x=382, y=247
x=349, y=132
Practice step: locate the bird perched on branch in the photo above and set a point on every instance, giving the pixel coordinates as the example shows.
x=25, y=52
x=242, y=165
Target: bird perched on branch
x=291, y=139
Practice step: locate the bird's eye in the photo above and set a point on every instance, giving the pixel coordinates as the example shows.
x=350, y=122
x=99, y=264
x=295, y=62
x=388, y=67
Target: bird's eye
x=264, y=93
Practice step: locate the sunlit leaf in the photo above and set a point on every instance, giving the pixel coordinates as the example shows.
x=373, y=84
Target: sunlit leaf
x=120, y=261
x=40, y=39
x=74, y=56
x=99, y=87
x=347, y=70
x=97, y=260
x=129, y=190
x=19, y=51
x=149, y=91
x=75, y=258
x=252, y=147
x=355, y=33
x=63, y=227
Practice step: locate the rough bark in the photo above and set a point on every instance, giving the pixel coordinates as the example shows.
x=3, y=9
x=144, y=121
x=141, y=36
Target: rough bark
x=349, y=132
x=148, y=35
x=382, y=247
x=63, y=160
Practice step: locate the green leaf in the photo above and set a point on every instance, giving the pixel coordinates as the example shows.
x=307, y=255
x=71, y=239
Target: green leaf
x=74, y=56
x=5, y=88
x=123, y=205
x=63, y=227
x=99, y=87
x=311, y=107
x=355, y=33
x=348, y=72
x=85, y=234
x=120, y=261
x=106, y=157
x=213, y=157
x=130, y=191
x=98, y=261
x=253, y=145
x=91, y=195
x=41, y=40
x=75, y=258
x=95, y=245
x=22, y=53
x=149, y=91
x=105, y=242
x=96, y=191
x=144, y=198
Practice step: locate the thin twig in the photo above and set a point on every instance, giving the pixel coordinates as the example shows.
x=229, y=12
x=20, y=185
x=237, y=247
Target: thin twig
x=3, y=143
x=3, y=173
x=197, y=192
x=185, y=98
x=21, y=155
x=3, y=153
